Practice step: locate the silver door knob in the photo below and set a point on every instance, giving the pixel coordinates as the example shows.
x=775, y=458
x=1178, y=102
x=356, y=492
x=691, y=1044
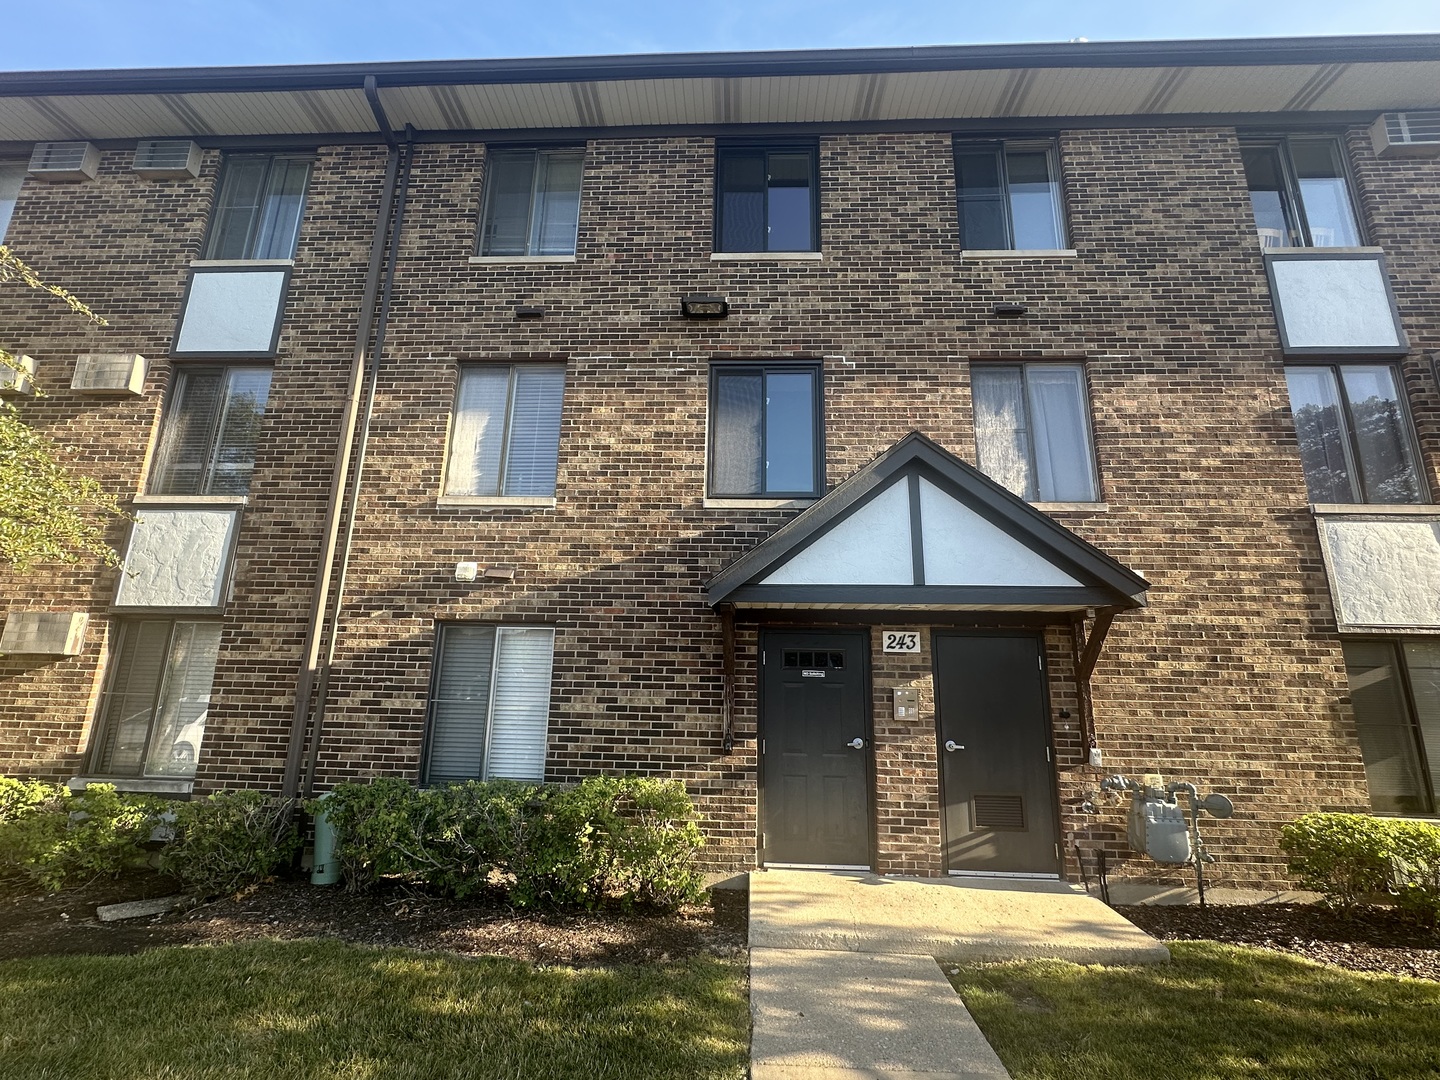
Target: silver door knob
x=951, y=745
x=856, y=743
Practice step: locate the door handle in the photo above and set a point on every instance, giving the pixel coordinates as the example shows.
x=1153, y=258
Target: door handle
x=856, y=743
x=951, y=745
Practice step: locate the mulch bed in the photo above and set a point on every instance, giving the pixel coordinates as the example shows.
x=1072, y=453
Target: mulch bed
x=1369, y=939
x=35, y=925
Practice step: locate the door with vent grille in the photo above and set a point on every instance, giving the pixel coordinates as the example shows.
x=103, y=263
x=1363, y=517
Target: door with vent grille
x=815, y=779
x=997, y=781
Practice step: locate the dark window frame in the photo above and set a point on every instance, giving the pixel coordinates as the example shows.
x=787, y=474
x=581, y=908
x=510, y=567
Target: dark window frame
x=212, y=228
x=174, y=399
x=1396, y=647
x=763, y=368
x=1000, y=147
x=1087, y=419
x=725, y=148
x=487, y=193
x=1352, y=442
x=121, y=629
x=1292, y=204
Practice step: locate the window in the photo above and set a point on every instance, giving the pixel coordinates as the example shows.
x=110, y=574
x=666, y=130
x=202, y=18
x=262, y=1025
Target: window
x=766, y=199
x=159, y=694
x=12, y=175
x=1032, y=430
x=765, y=432
x=532, y=202
x=1009, y=195
x=1395, y=688
x=1355, y=439
x=257, y=216
x=1299, y=192
x=505, y=439
x=490, y=703
x=207, y=441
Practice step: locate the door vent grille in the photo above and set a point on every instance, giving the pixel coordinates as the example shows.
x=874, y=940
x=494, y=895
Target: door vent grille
x=998, y=812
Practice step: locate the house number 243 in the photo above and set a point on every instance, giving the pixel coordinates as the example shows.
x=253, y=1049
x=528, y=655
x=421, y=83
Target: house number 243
x=899, y=641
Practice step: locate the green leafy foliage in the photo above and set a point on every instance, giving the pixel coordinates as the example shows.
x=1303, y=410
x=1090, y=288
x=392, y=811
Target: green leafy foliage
x=52, y=838
x=606, y=839
x=1352, y=858
x=230, y=840
x=48, y=513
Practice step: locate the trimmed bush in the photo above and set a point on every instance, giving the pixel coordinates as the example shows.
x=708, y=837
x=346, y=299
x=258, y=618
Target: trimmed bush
x=230, y=840
x=52, y=838
x=606, y=839
x=1353, y=858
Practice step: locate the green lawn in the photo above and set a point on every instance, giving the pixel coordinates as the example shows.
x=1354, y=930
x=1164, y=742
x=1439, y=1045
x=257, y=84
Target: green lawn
x=1216, y=1011
x=295, y=1010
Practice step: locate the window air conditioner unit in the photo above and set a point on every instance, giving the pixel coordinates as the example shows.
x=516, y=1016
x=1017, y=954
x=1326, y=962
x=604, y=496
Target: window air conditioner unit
x=166, y=159
x=64, y=161
x=1406, y=134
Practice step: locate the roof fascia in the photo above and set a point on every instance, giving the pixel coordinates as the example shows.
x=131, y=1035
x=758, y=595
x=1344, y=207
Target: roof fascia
x=1379, y=48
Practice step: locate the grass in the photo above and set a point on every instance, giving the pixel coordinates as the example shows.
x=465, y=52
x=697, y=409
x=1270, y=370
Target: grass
x=1216, y=1011
x=297, y=1010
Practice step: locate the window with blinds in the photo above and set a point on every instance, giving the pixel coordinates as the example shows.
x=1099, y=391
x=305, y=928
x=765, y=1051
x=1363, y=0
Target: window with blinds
x=1032, y=430
x=490, y=703
x=505, y=437
x=257, y=215
x=210, y=431
x=532, y=202
x=1395, y=689
x=154, y=714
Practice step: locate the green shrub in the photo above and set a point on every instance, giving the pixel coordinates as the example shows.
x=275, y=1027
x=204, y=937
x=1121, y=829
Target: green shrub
x=1352, y=858
x=230, y=840
x=632, y=841
x=52, y=838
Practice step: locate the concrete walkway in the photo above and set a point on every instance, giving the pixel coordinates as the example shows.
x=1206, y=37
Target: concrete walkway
x=844, y=983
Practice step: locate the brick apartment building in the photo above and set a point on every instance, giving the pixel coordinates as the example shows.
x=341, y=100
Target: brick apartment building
x=873, y=440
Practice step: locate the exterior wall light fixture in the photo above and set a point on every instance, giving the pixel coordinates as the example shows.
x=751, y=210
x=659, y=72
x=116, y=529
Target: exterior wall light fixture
x=696, y=306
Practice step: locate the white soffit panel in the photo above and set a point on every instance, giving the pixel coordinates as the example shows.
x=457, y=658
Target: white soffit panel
x=870, y=547
x=938, y=94
x=178, y=559
x=1384, y=573
x=532, y=105
x=1334, y=304
x=641, y=102
x=231, y=312
x=962, y=548
x=1240, y=89
x=1383, y=87
x=1109, y=92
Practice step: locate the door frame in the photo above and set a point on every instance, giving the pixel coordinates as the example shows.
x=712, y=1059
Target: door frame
x=862, y=635
x=1038, y=636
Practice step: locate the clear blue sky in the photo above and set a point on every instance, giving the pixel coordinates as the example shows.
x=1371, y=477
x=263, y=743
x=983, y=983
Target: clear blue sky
x=56, y=34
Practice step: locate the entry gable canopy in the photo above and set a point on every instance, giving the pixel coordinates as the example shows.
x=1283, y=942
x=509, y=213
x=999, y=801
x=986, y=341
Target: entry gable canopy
x=919, y=528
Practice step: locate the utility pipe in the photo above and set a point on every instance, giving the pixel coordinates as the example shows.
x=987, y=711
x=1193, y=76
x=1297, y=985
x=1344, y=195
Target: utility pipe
x=332, y=626
x=305, y=681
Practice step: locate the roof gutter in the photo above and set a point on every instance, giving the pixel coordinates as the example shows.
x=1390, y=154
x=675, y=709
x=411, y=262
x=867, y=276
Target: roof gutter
x=1378, y=48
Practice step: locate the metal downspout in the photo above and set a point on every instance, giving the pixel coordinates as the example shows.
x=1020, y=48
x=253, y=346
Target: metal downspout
x=305, y=681
x=353, y=496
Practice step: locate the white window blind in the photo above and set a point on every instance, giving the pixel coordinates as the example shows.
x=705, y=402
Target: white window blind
x=505, y=439
x=490, y=712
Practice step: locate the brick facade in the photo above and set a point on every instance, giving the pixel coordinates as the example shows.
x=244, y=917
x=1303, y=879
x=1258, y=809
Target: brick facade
x=1232, y=676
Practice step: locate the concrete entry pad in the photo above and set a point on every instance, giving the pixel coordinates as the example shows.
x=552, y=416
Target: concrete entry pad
x=966, y=919
x=843, y=1016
